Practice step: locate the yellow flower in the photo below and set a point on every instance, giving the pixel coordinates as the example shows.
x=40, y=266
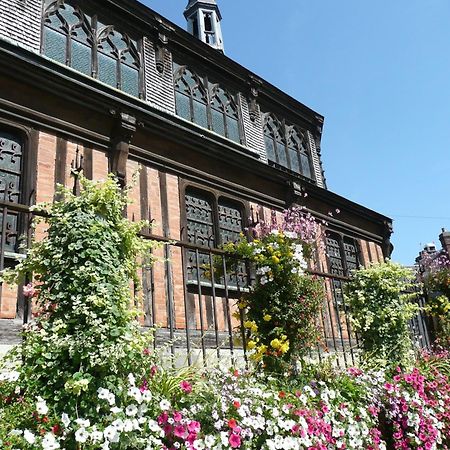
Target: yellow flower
x=242, y=305
x=284, y=347
x=275, y=343
x=283, y=337
x=251, y=345
x=248, y=324
x=254, y=328
x=275, y=259
x=267, y=318
x=262, y=349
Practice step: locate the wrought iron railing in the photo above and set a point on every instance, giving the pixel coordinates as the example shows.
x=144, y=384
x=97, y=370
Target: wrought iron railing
x=190, y=298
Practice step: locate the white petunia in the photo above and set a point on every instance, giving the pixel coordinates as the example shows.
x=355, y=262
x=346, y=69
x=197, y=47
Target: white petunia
x=164, y=405
x=29, y=436
x=81, y=435
x=131, y=410
x=41, y=406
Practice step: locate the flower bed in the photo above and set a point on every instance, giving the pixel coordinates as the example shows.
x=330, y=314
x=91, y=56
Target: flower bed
x=215, y=410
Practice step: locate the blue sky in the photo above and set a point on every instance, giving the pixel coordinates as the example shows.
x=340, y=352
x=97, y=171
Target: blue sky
x=379, y=71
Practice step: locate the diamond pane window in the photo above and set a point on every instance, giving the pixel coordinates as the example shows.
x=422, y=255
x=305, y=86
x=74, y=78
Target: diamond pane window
x=55, y=45
x=200, y=114
x=183, y=105
x=107, y=70
x=72, y=37
x=218, y=124
x=209, y=105
x=81, y=57
x=233, y=129
x=286, y=146
x=130, y=80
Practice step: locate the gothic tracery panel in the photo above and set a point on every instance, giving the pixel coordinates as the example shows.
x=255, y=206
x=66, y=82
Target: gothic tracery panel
x=10, y=184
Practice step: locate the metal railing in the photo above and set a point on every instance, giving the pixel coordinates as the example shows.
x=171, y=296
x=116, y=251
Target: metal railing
x=190, y=297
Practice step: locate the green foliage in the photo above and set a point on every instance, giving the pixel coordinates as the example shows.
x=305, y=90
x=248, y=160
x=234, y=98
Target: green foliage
x=85, y=333
x=380, y=312
x=281, y=309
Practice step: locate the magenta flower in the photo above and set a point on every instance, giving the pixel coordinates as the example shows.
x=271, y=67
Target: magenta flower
x=186, y=387
x=234, y=440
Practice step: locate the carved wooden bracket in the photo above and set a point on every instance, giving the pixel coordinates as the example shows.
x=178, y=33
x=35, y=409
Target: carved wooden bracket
x=121, y=136
x=254, y=85
x=160, y=52
x=387, y=246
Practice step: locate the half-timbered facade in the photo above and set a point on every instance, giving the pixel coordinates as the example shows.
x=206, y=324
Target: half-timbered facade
x=216, y=146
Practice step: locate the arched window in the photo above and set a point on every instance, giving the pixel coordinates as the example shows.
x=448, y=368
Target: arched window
x=274, y=135
x=224, y=114
x=68, y=36
x=300, y=161
x=80, y=41
x=11, y=161
x=191, y=97
x=206, y=104
x=118, y=60
x=286, y=146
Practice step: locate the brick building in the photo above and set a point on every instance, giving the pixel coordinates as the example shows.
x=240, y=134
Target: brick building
x=216, y=144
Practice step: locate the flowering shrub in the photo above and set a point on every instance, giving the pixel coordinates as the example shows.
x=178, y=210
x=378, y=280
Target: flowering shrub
x=84, y=333
x=281, y=309
x=380, y=312
x=436, y=278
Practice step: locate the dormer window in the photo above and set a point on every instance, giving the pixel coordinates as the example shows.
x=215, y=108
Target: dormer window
x=287, y=146
x=80, y=41
x=206, y=104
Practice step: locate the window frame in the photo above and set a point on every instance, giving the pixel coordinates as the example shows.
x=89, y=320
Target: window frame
x=214, y=196
x=210, y=89
x=94, y=33
x=285, y=132
x=341, y=238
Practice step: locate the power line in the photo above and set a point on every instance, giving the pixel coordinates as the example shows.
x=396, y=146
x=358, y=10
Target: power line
x=418, y=217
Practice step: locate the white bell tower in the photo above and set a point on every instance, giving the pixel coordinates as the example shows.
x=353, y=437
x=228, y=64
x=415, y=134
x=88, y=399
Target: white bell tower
x=203, y=17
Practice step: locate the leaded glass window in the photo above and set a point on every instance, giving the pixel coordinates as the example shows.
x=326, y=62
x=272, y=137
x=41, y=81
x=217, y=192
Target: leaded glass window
x=275, y=141
x=286, y=146
x=200, y=231
x=80, y=41
x=118, y=60
x=230, y=221
x=224, y=114
x=351, y=255
x=191, y=97
x=11, y=160
x=205, y=104
x=300, y=161
x=212, y=222
x=342, y=259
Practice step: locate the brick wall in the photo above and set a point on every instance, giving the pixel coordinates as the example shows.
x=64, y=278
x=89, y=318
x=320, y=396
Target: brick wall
x=159, y=87
x=20, y=22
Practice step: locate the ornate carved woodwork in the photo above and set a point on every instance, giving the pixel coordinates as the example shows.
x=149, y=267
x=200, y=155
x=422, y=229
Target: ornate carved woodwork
x=286, y=146
x=121, y=136
x=11, y=156
x=206, y=104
